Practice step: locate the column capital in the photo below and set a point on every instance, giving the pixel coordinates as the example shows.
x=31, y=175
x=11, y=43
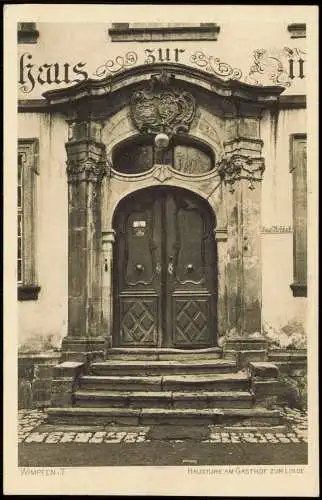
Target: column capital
x=86, y=162
x=108, y=236
x=241, y=167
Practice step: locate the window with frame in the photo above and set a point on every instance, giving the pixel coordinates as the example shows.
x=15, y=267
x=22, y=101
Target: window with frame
x=298, y=169
x=28, y=289
x=27, y=33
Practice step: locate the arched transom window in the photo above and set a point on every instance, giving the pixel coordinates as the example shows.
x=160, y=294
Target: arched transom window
x=184, y=154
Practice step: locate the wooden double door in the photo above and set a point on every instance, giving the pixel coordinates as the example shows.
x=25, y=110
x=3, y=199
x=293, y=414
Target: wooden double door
x=165, y=271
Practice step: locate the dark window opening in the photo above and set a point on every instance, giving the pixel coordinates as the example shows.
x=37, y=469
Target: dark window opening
x=183, y=154
x=27, y=33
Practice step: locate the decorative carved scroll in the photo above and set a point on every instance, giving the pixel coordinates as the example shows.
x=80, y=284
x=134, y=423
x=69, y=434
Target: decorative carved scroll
x=239, y=167
x=162, y=110
x=215, y=66
x=115, y=65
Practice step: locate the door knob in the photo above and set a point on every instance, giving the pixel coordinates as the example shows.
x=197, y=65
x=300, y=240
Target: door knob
x=189, y=268
x=139, y=268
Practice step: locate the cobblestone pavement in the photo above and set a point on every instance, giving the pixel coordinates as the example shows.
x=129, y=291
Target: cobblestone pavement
x=30, y=420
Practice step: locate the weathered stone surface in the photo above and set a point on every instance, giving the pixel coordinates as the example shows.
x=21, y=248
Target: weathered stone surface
x=62, y=391
x=36, y=437
x=54, y=437
x=245, y=344
x=268, y=387
x=96, y=416
x=167, y=432
x=68, y=369
x=122, y=383
x=263, y=369
x=217, y=382
x=83, y=356
x=243, y=358
x=182, y=416
x=141, y=368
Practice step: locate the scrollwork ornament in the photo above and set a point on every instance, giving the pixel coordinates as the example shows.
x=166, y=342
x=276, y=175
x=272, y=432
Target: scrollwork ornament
x=115, y=65
x=215, y=66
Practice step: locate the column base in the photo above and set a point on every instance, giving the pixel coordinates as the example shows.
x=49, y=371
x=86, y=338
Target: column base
x=245, y=350
x=84, y=349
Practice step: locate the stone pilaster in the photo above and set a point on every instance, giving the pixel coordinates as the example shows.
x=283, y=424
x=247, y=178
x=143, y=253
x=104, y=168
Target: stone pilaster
x=108, y=238
x=241, y=170
x=86, y=166
x=221, y=240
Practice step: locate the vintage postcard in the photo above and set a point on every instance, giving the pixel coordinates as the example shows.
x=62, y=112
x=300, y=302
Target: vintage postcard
x=161, y=228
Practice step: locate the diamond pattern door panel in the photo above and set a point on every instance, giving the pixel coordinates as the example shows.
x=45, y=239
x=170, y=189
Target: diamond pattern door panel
x=139, y=321
x=192, y=321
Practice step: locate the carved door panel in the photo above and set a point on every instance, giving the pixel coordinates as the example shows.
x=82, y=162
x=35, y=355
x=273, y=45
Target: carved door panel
x=138, y=273
x=190, y=284
x=164, y=272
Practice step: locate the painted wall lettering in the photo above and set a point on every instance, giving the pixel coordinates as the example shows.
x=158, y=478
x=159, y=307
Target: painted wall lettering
x=162, y=55
x=56, y=73
x=296, y=68
x=277, y=67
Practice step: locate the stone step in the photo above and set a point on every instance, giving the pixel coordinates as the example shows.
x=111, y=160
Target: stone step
x=296, y=355
x=245, y=344
x=217, y=382
x=162, y=354
x=163, y=399
x=180, y=383
x=155, y=416
x=165, y=367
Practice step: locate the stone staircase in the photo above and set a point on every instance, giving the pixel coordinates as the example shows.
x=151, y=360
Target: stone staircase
x=164, y=386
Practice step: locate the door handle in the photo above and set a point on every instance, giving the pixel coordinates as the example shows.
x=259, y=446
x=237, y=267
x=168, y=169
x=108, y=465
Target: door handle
x=170, y=265
x=158, y=268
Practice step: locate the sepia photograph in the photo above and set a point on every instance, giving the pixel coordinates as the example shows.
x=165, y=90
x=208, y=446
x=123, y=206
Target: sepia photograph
x=159, y=195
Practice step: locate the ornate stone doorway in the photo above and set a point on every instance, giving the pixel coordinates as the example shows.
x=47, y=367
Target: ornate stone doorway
x=165, y=270
x=220, y=119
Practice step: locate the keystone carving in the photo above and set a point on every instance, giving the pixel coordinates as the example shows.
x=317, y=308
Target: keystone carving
x=239, y=167
x=162, y=173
